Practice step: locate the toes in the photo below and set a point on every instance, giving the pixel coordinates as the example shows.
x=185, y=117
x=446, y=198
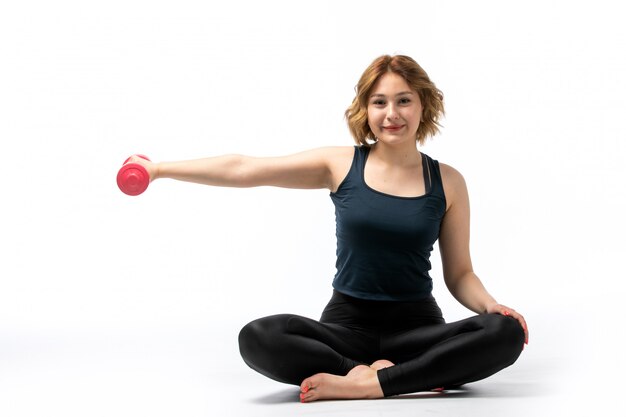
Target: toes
x=310, y=388
x=306, y=385
x=307, y=397
x=307, y=392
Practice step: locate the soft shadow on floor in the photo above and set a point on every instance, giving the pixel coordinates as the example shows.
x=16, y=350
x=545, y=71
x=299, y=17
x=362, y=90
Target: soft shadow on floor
x=455, y=393
x=289, y=395
x=501, y=390
x=485, y=390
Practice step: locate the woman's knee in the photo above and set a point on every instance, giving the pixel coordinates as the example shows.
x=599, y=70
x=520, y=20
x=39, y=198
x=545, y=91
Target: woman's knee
x=267, y=345
x=259, y=335
x=506, y=330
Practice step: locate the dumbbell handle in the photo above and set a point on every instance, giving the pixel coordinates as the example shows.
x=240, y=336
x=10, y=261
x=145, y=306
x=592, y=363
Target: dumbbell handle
x=132, y=178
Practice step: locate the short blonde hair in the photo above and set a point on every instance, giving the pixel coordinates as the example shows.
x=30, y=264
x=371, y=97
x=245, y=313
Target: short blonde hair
x=430, y=96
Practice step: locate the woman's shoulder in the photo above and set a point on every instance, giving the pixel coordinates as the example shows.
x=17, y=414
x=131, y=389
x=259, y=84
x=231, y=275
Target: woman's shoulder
x=338, y=154
x=454, y=185
x=339, y=160
x=449, y=173
x=339, y=150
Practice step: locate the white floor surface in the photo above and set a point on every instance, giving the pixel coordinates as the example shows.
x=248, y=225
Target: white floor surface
x=197, y=372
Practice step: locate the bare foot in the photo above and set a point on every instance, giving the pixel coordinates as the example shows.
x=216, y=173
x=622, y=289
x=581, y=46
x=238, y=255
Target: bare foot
x=361, y=382
x=381, y=364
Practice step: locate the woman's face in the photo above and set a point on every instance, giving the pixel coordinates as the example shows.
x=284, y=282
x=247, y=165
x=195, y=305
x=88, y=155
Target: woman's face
x=394, y=110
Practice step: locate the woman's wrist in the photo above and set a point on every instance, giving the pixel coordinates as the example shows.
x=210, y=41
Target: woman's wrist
x=156, y=172
x=491, y=306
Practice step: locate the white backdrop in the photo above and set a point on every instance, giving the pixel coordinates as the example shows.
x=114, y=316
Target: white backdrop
x=535, y=97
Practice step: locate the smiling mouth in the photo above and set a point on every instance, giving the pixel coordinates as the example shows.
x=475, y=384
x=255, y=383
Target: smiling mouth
x=393, y=127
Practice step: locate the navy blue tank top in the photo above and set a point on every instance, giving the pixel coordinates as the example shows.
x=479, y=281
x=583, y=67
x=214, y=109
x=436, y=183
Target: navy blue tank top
x=384, y=241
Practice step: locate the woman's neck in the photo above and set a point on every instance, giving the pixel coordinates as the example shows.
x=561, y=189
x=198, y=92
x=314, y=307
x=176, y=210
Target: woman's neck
x=400, y=155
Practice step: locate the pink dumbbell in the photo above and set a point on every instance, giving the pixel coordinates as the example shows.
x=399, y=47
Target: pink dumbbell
x=133, y=179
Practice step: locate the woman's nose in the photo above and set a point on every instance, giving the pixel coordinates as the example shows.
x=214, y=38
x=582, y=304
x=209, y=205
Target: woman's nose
x=391, y=112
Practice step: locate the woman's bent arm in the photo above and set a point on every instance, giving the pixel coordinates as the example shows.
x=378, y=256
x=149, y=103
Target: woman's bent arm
x=454, y=238
x=458, y=272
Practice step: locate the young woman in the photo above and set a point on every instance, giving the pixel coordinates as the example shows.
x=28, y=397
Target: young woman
x=382, y=333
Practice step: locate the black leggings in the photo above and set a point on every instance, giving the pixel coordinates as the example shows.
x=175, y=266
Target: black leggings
x=427, y=352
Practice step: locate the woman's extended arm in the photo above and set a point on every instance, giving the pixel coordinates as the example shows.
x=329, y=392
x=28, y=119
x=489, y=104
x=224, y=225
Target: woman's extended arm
x=317, y=168
x=458, y=272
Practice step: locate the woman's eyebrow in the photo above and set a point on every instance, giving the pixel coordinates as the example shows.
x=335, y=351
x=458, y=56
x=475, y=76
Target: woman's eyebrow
x=399, y=94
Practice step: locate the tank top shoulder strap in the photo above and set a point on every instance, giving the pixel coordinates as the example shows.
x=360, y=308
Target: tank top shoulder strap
x=432, y=176
x=360, y=156
x=358, y=163
x=353, y=178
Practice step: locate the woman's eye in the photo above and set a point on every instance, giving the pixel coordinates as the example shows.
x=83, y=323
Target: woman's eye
x=378, y=102
x=405, y=100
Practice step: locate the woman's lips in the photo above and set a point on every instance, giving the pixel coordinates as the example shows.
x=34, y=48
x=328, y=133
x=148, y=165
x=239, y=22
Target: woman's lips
x=393, y=128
